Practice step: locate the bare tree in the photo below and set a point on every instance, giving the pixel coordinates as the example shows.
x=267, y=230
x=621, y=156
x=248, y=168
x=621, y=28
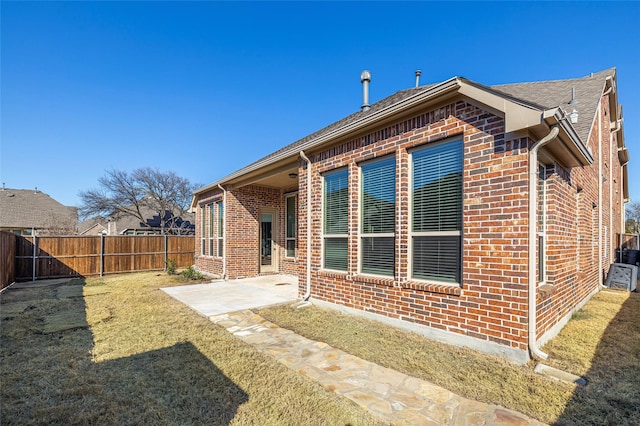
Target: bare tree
x=632, y=223
x=119, y=193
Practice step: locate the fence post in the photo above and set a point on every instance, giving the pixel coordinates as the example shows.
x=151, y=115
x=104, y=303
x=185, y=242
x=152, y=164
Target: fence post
x=166, y=250
x=101, y=260
x=33, y=262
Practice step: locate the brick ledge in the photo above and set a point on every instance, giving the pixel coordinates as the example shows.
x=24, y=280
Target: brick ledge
x=370, y=279
x=453, y=289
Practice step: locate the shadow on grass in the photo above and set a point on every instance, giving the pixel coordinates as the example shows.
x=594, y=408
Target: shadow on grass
x=48, y=375
x=612, y=395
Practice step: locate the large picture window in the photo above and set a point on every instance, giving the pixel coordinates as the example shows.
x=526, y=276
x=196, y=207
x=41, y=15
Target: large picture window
x=377, y=220
x=436, y=212
x=336, y=220
x=291, y=226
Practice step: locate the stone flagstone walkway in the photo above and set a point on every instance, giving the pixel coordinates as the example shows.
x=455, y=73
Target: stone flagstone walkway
x=387, y=394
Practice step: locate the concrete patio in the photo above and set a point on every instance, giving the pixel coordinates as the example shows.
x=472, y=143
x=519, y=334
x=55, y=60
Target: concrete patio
x=220, y=297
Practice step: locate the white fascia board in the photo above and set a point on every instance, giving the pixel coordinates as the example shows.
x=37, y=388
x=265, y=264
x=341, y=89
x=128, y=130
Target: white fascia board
x=517, y=116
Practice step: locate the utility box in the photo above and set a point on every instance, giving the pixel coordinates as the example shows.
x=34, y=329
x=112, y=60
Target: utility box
x=622, y=276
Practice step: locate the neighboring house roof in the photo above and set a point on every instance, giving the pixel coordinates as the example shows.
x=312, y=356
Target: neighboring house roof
x=531, y=104
x=118, y=224
x=92, y=226
x=28, y=208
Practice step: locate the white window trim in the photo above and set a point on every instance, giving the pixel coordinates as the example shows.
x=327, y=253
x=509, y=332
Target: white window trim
x=293, y=195
x=203, y=227
x=211, y=229
x=219, y=230
x=324, y=236
x=361, y=235
x=542, y=252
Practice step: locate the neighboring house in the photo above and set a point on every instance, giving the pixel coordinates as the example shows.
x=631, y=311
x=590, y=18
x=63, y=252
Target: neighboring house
x=124, y=224
x=32, y=212
x=478, y=215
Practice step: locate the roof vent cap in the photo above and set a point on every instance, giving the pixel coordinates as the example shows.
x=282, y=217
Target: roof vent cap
x=573, y=97
x=365, y=79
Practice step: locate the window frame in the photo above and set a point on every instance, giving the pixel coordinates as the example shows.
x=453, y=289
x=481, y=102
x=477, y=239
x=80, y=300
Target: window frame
x=541, y=225
x=203, y=227
x=368, y=235
x=220, y=229
x=210, y=229
x=326, y=236
x=288, y=238
x=437, y=234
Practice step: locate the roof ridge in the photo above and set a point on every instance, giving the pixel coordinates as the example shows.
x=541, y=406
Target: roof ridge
x=591, y=75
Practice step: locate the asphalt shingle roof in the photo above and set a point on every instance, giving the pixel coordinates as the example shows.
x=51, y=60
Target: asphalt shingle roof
x=28, y=208
x=543, y=94
x=557, y=93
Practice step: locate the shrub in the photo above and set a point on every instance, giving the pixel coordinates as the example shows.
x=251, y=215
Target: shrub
x=191, y=274
x=171, y=266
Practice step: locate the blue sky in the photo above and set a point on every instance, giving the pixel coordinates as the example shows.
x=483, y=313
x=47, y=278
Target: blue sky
x=204, y=88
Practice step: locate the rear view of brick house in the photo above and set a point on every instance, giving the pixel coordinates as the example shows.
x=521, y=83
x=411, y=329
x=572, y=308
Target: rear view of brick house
x=478, y=215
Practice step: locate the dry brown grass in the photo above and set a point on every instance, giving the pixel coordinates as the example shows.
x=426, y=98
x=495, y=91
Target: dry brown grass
x=602, y=343
x=123, y=352
x=604, y=332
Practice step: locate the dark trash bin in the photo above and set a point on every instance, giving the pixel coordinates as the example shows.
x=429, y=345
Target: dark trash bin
x=630, y=257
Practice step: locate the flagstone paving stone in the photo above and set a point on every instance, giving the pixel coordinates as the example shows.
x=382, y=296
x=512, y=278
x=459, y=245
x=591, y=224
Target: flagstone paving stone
x=387, y=394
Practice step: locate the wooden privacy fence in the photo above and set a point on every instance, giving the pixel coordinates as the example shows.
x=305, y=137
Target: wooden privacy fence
x=7, y=258
x=69, y=256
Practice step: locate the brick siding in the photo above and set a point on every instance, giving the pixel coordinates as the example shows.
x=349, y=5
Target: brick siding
x=490, y=304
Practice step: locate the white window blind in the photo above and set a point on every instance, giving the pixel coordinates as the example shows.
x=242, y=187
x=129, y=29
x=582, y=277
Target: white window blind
x=436, y=226
x=336, y=219
x=377, y=219
x=291, y=226
x=220, y=235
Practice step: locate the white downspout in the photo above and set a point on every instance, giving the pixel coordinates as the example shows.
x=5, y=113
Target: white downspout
x=533, y=190
x=600, y=189
x=224, y=233
x=308, y=293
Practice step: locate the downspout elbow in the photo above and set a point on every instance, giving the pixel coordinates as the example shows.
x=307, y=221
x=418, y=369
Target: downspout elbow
x=224, y=222
x=307, y=294
x=532, y=287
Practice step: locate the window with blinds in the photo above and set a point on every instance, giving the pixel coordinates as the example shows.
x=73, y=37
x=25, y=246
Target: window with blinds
x=203, y=228
x=541, y=220
x=436, y=212
x=220, y=233
x=377, y=217
x=212, y=223
x=291, y=226
x=336, y=220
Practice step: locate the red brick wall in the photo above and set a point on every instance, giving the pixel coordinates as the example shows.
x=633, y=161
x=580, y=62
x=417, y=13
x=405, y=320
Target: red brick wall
x=575, y=238
x=242, y=233
x=491, y=303
x=205, y=262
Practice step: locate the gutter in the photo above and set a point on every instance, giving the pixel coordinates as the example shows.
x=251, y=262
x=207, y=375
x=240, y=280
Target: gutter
x=308, y=293
x=224, y=234
x=532, y=290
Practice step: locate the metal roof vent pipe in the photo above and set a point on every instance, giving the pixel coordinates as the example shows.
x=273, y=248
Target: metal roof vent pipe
x=418, y=74
x=573, y=97
x=365, y=79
